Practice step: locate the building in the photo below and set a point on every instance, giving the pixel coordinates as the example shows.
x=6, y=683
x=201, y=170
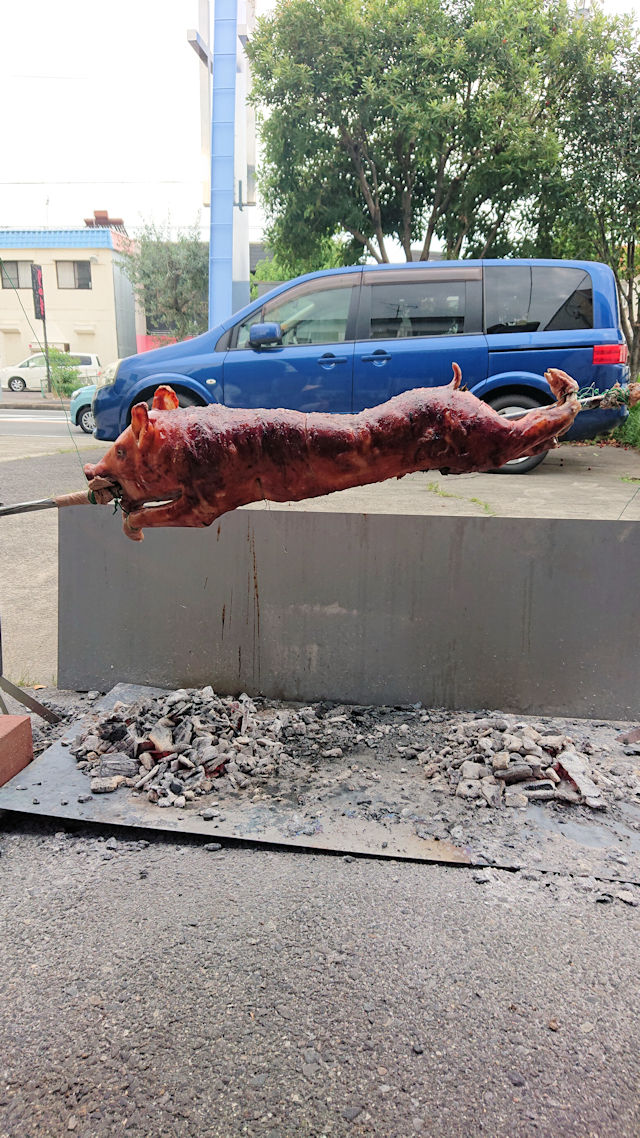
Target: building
x=89, y=301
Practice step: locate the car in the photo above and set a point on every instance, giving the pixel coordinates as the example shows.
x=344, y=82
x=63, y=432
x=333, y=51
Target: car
x=344, y=339
x=80, y=411
x=31, y=374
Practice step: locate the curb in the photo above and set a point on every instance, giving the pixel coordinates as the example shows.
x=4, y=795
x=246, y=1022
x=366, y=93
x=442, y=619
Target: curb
x=33, y=405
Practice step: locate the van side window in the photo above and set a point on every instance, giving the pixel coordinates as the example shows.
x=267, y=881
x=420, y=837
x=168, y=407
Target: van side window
x=416, y=308
x=316, y=312
x=522, y=298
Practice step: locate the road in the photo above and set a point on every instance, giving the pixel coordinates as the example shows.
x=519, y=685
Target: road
x=168, y=990
x=36, y=424
x=27, y=433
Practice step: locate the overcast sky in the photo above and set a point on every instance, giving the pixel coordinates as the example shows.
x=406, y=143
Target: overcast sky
x=100, y=110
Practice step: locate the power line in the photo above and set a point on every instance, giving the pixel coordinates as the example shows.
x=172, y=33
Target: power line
x=102, y=182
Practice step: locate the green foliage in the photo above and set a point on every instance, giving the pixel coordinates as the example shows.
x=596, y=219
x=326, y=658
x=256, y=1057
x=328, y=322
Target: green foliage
x=329, y=254
x=591, y=207
x=170, y=277
x=64, y=376
x=413, y=119
x=629, y=432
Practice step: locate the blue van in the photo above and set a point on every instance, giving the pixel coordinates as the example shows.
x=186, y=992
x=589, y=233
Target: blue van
x=345, y=339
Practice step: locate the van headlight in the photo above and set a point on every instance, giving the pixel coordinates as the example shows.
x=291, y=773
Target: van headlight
x=108, y=374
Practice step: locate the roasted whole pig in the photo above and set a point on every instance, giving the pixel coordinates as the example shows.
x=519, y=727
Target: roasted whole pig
x=186, y=467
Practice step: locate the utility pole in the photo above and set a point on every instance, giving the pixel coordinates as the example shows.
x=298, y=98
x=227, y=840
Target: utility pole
x=230, y=127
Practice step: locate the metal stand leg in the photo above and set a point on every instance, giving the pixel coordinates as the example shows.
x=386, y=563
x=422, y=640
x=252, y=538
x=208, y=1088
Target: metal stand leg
x=22, y=697
x=27, y=701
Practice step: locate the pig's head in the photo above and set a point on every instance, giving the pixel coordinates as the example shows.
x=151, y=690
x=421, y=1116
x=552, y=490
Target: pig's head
x=142, y=466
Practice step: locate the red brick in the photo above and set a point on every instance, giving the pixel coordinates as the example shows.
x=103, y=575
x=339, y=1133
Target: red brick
x=16, y=745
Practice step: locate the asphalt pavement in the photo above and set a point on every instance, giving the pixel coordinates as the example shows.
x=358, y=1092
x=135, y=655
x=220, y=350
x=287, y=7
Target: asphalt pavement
x=165, y=989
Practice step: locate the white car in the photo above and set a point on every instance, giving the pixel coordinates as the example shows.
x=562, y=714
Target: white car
x=31, y=374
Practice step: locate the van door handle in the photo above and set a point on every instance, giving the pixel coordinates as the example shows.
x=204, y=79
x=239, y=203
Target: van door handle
x=379, y=357
x=328, y=360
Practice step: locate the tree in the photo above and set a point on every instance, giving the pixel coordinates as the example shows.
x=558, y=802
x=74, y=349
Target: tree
x=328, y=254
x=593, y=205
x=170, y=278
x=64, y=376
x=410, y=119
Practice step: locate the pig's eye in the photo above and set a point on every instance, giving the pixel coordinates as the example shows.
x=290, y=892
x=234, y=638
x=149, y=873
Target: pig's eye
x=121, y=453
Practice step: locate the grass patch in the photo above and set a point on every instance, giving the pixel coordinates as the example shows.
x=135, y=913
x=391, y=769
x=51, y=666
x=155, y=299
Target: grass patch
x=436, y=489
x=628, y=433
x=484, y=506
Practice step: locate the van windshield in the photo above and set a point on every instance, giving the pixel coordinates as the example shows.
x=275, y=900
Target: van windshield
x=523, y=298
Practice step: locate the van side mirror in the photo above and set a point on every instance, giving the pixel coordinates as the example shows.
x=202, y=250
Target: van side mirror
x=263, y=335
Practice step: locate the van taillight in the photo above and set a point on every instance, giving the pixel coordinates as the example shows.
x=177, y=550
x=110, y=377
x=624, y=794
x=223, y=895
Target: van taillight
x=610, y=354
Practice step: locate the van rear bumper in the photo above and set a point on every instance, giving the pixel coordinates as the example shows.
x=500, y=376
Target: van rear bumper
x=596, y=421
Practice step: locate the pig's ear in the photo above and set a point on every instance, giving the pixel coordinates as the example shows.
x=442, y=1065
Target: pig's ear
x=165, y=399
x=140, y=422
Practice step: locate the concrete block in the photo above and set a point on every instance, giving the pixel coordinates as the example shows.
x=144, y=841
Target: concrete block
x=16, y=745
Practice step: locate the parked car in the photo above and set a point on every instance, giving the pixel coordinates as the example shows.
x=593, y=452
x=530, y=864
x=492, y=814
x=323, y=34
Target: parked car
x=32, y=372
x=80, y=411
x=344, y=339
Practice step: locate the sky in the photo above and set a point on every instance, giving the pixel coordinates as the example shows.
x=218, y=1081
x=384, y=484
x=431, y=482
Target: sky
x=101, y=110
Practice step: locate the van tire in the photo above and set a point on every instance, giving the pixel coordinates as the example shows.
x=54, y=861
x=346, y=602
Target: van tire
x=185, y=399
x=517, y=402
x=85, y=419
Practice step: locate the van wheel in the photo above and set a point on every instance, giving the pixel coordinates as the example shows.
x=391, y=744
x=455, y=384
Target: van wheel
x=86, y=421
x=505, y=404
x=16, y=383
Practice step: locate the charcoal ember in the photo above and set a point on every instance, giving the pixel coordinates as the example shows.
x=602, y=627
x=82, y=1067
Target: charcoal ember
x=540, y=789
x=161, y=736
x=113, y=729
x=183, y=733
x=105, y=785
x=113, y=764
x=515, y=772
x=146, y=778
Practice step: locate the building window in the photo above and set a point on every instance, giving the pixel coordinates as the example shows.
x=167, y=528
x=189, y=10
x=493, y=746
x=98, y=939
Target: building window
x=16, y=274
x=73, y=274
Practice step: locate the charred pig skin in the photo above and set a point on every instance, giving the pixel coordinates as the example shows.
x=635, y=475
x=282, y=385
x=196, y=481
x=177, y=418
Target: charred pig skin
x=198, y=463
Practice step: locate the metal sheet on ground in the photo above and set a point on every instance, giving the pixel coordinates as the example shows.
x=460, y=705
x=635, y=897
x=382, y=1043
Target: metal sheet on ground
x=391, y=817
x=53, y=785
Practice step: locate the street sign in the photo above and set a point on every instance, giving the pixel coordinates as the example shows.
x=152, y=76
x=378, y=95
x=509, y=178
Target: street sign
x=38, y=291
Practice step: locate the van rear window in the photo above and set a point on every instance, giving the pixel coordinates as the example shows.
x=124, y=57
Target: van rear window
x=522, y=298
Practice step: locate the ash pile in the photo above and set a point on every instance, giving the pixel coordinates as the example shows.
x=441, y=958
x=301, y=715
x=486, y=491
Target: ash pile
x=177, y=748
x=510, y=763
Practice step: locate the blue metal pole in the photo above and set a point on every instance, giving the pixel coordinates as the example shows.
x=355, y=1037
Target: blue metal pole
x=222, y=170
